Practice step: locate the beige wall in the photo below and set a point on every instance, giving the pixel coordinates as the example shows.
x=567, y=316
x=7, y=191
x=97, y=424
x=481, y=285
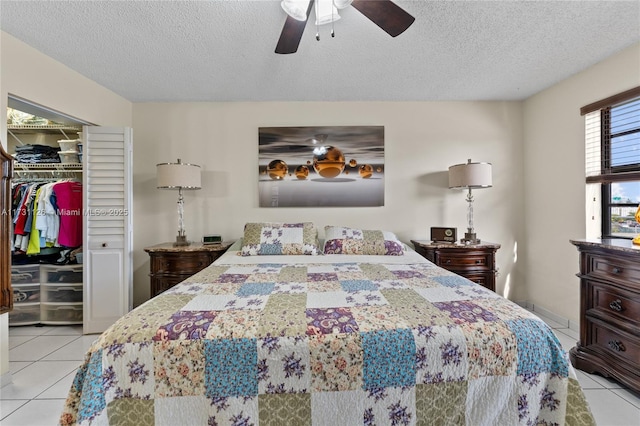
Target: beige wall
x=536, y=205
x=29, y=74
x=554, y=184
x=421, y=140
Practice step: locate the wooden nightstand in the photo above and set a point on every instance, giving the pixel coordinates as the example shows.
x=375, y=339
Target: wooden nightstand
x=171, y=265
x=475, y=262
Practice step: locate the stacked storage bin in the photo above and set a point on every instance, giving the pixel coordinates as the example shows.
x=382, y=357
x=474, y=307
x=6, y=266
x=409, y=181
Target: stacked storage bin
x=46, y=294
x=25, y=280
x=69, y=151
x=61, y=294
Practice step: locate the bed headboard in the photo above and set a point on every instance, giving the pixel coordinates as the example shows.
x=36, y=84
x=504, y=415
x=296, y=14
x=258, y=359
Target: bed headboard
x=6, y=171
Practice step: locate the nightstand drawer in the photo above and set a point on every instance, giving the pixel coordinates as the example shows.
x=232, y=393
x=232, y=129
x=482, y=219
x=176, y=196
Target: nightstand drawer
x=185, y=263
x=616, y=343
x=613, y=268
x=609, y=301
x=456, y=260
x=485, y=280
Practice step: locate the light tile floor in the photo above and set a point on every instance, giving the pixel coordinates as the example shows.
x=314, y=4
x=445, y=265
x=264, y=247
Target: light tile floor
x=43, y=361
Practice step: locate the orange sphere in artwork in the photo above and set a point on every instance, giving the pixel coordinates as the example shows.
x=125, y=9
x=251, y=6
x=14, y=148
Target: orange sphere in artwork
x=277, y=169
x=366, y=171
x=302, y=172
x=328, y=161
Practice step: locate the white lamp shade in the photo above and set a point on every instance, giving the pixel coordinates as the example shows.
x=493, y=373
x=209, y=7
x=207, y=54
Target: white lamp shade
x=326, y=12
x=297, y=9
x=470, y=175
x=178, y=175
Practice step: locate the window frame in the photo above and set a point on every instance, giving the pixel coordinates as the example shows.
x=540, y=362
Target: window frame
x=609, y=173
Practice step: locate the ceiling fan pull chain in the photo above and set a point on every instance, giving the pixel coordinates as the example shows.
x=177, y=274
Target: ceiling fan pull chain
x=333, y=34
x=317, y=26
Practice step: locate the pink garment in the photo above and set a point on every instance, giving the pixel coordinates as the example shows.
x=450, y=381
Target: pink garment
x=69, y=202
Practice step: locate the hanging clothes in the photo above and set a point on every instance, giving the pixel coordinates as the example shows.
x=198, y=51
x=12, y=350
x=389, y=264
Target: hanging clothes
x=69, y=201
x=46, y=214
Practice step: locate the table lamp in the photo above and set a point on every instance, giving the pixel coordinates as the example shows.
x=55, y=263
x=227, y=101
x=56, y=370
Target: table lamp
x=179, y=176
x=470, y=175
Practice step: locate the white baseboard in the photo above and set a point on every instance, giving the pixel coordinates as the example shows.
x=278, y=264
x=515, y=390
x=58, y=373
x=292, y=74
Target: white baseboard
x=5, y=379
x=548, y=314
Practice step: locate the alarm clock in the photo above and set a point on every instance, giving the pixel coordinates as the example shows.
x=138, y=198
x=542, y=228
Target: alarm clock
x=211, y=239
x=443, y=235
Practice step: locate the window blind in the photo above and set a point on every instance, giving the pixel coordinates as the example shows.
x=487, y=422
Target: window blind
x=612, y=138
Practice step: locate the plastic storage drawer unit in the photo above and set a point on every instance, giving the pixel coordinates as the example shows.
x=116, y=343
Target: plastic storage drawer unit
x=25, y=314
x=25, y=274
x=26, y=293
x=61, y=313
x=57, y=293
x=67, y=274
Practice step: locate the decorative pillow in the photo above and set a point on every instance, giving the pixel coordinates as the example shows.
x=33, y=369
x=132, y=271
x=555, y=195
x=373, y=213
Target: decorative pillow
x=264, y=238
x=341, y=240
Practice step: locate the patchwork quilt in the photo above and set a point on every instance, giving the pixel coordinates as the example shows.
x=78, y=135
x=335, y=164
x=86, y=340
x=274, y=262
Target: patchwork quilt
x=327, y=344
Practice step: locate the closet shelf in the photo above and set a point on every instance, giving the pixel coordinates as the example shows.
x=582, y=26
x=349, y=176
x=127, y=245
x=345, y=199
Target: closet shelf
x=39, y=167
x=42, y=128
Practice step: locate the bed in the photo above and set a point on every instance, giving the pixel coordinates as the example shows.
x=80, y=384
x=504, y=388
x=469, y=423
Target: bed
x=333, y=339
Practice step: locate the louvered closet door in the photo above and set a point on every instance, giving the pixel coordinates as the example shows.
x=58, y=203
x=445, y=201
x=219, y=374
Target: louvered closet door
x=107, y=158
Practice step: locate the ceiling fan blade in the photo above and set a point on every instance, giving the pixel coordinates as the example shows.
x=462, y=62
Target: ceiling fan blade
x=385, y=14
x=292, y=33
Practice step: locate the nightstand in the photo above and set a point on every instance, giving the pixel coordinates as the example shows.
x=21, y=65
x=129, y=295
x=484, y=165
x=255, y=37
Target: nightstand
x=171, y=265
x=476, y=262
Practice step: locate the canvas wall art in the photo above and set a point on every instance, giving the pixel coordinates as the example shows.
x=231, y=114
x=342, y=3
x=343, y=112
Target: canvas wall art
x=322, y=166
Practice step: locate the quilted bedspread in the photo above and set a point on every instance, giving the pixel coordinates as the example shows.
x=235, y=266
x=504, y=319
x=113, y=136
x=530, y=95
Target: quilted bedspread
x=327, y=344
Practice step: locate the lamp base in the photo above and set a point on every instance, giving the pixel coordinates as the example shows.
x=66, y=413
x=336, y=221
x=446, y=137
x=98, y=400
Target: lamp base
x=470, y=239
x=181, y=240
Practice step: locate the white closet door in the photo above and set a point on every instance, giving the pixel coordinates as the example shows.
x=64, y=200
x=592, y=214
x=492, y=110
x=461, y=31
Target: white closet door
x=108, y=249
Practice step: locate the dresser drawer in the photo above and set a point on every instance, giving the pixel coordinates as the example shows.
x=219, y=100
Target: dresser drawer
x=612, y=268
x=615, y=343
x=465, y=261
x=610, y=301
x=181, y=264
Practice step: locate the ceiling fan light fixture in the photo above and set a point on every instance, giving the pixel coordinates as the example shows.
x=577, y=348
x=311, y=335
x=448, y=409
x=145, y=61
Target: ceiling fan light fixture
x=341, y=4
x=326, y=12
x=297, y=9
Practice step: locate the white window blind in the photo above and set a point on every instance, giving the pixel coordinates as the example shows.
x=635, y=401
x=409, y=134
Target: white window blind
x=612, y=138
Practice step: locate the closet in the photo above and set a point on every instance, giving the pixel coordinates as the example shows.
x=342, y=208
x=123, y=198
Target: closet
x=91, y=284
x=46, y=288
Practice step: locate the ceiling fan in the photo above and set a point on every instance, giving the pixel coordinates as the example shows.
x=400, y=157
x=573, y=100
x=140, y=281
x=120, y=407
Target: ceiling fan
x=384, y=13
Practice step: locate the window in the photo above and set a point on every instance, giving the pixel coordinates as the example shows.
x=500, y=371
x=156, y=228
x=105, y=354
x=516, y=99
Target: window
x=612, y=129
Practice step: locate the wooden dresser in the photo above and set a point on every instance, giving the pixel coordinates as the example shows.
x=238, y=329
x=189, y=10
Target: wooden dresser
x=609, y=310
x=475, y=262
x=171, y=265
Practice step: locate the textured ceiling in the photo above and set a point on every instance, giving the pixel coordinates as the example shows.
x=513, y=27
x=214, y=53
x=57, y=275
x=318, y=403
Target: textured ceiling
x=224, y=50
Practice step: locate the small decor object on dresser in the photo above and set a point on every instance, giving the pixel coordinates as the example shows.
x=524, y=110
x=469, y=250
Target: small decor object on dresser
x=444, y=235
x=609, y=310
x=475, y=262
x=636, y=240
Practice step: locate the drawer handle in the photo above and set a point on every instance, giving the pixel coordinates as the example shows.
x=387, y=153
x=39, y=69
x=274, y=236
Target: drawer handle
x=616, y=305
x=478, y=262
x=617, y=345
x=617, y=270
